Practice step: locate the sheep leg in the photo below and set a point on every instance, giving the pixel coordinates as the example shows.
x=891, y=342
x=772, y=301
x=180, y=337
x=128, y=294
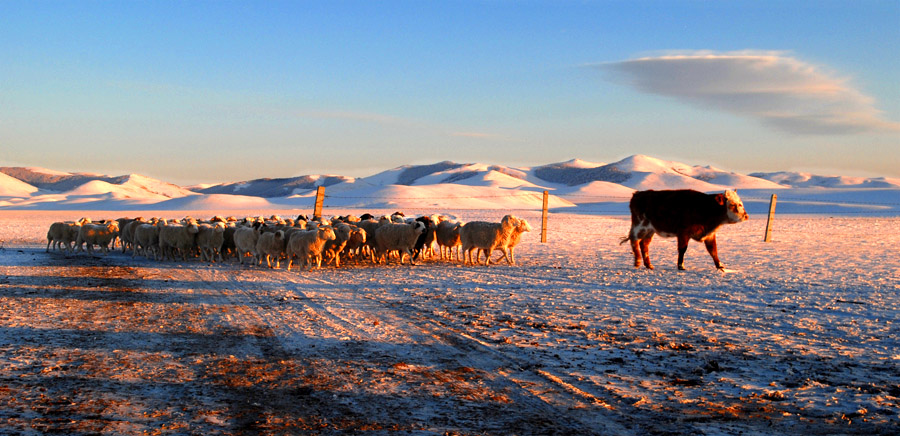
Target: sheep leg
x=507, y=254
x=487, y=256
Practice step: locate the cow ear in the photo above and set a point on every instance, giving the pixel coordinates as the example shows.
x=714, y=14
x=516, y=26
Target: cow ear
x=720, y=198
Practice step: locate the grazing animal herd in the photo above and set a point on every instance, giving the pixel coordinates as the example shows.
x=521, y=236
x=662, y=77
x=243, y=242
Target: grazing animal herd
x=274, y=240
x=684, y=214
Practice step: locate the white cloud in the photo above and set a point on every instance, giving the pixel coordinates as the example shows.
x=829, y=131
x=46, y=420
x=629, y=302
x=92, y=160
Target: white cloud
x=773, y=87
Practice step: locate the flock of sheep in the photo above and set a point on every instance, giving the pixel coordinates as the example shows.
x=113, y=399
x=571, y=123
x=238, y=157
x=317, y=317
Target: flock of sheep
x=313, y=242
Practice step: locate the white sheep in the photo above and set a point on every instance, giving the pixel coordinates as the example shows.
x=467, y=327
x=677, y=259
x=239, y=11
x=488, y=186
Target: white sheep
x=398, y=218
x=146, y=240
x=63, y=234
x=486, y=236
x=522, y=226
x=332, y=249
x=210, y=238
x=97, y=234
x=127, y=227
x=447, y=236
x=307, y=245
x=181, y=237
x=299, y=226
x=270, y=245
x=370, y=226
x=399, y=237
x=245, y=239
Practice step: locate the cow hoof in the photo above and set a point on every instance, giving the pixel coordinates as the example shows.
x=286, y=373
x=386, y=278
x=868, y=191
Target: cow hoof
x=681, y=268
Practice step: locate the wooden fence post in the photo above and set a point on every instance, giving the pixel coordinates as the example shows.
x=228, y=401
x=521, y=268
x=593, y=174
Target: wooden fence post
x=320, y=198
x=768, y=236
x=544, y=219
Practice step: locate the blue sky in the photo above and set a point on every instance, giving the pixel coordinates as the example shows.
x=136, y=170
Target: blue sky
x=201, y=92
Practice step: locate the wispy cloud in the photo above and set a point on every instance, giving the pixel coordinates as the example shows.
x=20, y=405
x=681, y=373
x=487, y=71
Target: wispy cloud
x=773, y=87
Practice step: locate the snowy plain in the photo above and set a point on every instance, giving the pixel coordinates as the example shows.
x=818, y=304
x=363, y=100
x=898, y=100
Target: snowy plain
x=799, y=336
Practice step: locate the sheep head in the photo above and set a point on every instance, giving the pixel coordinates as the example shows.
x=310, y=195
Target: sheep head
x=523, y=226
x=358, y=235
x=326, y=233
x=343, y=230
x=509, y=221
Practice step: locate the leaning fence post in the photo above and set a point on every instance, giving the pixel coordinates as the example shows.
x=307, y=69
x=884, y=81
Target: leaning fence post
x=320, y=198
x=544, y=219
x=768, y=236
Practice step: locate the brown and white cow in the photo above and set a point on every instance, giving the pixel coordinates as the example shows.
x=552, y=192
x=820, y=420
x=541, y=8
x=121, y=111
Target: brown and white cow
x=685, y=214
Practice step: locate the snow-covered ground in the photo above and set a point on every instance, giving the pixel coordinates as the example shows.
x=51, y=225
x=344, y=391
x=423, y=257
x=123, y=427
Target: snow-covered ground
x=800, y=336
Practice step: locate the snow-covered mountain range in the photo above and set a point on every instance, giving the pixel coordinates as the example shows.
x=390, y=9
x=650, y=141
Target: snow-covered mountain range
x=444, y=185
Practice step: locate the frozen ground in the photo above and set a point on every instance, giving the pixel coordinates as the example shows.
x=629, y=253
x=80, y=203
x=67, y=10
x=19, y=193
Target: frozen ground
x=801, y=336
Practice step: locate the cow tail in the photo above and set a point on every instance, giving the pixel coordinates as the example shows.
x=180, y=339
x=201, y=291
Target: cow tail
x=625, y=239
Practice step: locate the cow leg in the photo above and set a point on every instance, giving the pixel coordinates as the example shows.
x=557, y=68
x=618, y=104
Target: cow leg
x=682, y=248
x=711, y=248
x=637, y=252
x=645, y=251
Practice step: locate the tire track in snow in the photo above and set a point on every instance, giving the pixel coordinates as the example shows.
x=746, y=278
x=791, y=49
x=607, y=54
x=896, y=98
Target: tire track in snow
x=539, y=389
x=584, y=399
x=341, y=309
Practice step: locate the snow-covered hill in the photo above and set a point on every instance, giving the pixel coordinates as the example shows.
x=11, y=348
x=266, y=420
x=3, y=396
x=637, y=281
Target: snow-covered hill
x=13, y=187
x=449, y=185
x=806, y=180
x=269, y=188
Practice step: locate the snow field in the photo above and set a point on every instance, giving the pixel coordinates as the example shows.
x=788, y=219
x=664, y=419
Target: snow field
x=799, y=337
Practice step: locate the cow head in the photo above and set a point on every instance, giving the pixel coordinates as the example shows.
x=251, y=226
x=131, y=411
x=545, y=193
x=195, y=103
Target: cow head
x=734, y=207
